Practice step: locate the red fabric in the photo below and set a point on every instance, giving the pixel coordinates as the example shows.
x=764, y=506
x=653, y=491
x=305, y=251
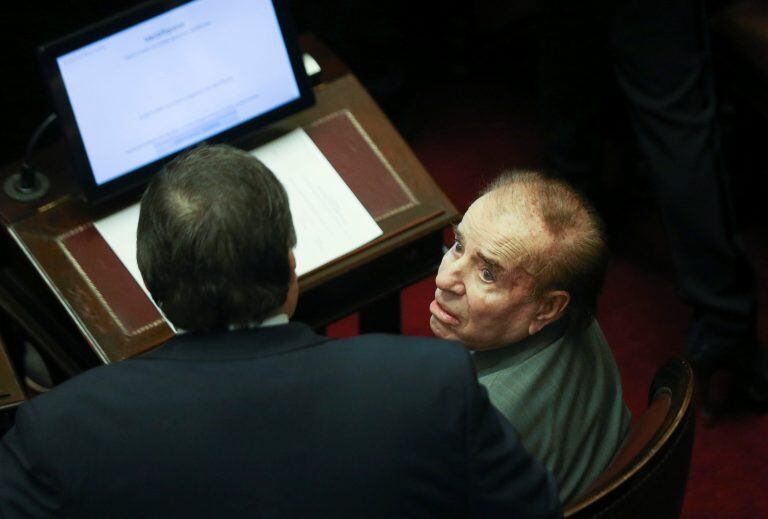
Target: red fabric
x=349, y=153
x=119, y=291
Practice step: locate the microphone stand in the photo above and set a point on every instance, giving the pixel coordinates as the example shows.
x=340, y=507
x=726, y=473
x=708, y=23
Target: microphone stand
x=29, y=183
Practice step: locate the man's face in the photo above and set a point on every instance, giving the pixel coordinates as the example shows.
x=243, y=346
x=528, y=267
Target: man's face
x=483, y=296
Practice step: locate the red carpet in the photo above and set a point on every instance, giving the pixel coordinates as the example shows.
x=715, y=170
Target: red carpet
x=467, y=133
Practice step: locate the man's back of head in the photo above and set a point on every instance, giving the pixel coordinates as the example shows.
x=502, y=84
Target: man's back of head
x=214, y=239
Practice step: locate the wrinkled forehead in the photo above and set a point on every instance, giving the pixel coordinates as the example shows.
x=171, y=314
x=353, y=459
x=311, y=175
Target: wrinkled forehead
x=507, y=227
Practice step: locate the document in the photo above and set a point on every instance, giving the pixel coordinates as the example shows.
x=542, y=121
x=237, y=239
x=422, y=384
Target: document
x=330, y=221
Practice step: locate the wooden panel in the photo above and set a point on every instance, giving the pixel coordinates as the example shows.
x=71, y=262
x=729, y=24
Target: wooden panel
x=357, y=159
x=11, y=393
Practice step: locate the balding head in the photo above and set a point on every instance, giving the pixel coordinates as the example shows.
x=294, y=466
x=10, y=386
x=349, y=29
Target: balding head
x=526, y=252
x=564, y=248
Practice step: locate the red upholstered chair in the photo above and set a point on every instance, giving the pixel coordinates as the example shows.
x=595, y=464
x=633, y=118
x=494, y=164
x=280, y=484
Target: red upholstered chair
x=648, y=474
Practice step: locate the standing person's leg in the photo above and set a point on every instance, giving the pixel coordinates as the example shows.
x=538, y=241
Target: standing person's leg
x=573, y=72
x=662, y=64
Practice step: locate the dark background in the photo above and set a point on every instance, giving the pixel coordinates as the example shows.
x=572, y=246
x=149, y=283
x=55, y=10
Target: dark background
x=402, y=51
x=393, y=47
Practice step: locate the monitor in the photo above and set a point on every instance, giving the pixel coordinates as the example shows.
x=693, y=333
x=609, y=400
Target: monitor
x=135, y=90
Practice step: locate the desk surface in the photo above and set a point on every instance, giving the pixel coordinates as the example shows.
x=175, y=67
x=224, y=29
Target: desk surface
x=115, y=318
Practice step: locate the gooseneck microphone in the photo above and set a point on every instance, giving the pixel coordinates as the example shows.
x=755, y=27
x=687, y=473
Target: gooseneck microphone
x=29, y=183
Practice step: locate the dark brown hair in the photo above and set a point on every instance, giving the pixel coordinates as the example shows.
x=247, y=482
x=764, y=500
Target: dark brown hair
x=213, y=239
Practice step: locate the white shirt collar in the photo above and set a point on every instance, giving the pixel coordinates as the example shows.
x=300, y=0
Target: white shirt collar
x=275, y=320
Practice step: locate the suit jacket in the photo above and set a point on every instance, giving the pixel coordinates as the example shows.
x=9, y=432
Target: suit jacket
x=562, y=392
x=272, y=422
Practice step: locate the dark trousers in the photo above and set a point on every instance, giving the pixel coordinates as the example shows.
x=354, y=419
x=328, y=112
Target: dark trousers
x=657, y=52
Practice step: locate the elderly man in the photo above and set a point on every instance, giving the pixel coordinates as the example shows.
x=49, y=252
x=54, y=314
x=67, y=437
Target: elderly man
x=246, y=414
x=519, y=287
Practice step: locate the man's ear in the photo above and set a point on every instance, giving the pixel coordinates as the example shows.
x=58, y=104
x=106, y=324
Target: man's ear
x=291, y=299
x=552, y=306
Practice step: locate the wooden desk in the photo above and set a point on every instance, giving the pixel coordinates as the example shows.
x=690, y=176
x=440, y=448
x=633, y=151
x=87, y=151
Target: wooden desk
x=107, y=309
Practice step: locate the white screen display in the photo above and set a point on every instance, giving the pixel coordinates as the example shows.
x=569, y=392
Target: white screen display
x=169, y=82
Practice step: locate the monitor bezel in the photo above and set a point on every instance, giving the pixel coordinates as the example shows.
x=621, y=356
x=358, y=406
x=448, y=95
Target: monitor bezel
x=136, y=180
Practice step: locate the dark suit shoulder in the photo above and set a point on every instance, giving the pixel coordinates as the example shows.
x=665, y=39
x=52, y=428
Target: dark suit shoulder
x=390, y=363
x=67, y=398
x=408, y=345
x=419, y=351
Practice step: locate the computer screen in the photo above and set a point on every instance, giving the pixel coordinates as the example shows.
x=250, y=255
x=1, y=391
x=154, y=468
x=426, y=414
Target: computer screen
x=140, y=88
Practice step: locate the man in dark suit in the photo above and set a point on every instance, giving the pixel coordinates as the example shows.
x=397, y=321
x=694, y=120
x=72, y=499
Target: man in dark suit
x=247, y=414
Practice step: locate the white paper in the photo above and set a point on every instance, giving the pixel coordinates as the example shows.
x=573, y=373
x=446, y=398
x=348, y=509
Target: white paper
x=329, y=219
x=310, y=65
x=119, y=231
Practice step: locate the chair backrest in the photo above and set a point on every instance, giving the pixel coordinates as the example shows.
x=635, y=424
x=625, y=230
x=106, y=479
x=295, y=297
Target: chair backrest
x=11, y=393
x=648, y=474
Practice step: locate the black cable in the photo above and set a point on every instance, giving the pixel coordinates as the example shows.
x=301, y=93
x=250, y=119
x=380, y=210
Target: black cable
x=27, y=181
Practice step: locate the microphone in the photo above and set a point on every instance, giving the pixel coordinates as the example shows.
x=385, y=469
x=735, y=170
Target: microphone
x=29, y=183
